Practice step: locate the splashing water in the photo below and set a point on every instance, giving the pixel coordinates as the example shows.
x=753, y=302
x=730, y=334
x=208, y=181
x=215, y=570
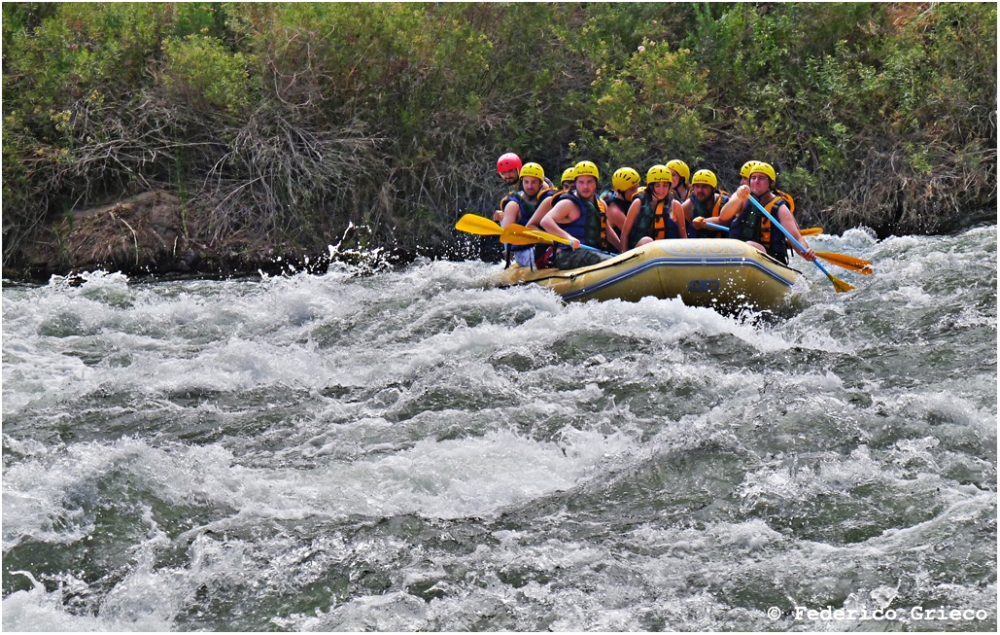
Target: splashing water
x=417, y=449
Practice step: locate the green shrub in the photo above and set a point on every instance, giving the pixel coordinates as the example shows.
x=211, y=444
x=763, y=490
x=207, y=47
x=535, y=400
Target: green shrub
x=200, y=70
x=649, y=111
x=297, y=118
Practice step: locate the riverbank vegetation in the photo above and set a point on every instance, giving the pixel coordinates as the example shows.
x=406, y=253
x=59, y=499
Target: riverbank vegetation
x=281, y=124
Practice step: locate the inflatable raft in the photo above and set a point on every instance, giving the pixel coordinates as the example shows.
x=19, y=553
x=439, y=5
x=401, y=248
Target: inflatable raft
x=719, y=273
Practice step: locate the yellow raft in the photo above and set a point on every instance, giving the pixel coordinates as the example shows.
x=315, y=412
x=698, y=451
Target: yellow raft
x=719, y=273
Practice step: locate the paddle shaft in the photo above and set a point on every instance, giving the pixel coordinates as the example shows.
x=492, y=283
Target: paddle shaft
x=787, y=233
x=544, y=236
x=552, y=237
x=812, y=231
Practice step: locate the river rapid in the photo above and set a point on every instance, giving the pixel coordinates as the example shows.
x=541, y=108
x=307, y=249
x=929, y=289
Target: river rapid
x=416, y=449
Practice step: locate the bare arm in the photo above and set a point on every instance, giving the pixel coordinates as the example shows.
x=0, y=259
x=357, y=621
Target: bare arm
x=688, y=207
x=535, y=222
x=510, y=213
x=677, y=211
x=616, y=219
x=633, y=213
x=613, y=238
x=563, y=212
x=735, y=205
x=788, y=222
x=616, y=216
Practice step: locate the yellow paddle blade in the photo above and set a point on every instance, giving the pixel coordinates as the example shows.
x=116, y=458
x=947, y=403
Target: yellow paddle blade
x=839, y=285
x=860, y=265
x=547, y=237
x=535, y=235
x=476, y=224
x=811, y=231
x=518, y=235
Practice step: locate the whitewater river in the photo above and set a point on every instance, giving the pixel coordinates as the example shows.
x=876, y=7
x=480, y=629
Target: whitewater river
x=414, y=449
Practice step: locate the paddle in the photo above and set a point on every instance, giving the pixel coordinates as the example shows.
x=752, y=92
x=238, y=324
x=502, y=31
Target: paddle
x=847, y=262
x=839, y=285
x=516, y=231
x=841, y=260
x=808, y=231
x=515, y=234
x=512, y=234
x=476, y=224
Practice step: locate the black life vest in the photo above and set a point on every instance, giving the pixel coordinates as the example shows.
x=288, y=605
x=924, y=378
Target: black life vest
x=751, y=224
x=721, y=198
x=591, y=228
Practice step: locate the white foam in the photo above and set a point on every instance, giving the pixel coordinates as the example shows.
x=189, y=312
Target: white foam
x=473, y=476
x=40, y=611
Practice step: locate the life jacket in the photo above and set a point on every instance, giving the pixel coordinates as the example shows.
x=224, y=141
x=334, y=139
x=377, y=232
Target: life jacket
x=591, y=228
x=526, y=208
x=721, y=198
x=656, y=223
x=650, y=222
x=791, y=206
x=506, y=198
x=751, y=224
x=789, y=201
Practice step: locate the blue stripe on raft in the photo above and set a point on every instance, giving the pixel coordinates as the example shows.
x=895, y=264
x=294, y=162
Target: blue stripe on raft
x=669, y=262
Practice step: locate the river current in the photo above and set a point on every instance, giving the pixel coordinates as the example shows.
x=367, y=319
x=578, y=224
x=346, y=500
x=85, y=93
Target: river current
x=416, y=449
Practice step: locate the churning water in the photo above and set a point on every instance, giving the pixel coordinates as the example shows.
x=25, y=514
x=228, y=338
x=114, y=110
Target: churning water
x=416, y=449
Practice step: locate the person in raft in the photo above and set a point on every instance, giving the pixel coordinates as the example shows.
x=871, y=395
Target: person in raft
x=654, y=214
x=568, y=177
x=544, y=252
x=680, y=175
x=745, y=172
x=520, y=206
x=748, y=224
x=567, y=183
x=581, y=217
x=745, y=180
x=509, y=168
x=705, y=203
x=624, y=188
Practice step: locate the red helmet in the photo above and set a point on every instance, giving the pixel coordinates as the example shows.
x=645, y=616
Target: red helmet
x=509, y=161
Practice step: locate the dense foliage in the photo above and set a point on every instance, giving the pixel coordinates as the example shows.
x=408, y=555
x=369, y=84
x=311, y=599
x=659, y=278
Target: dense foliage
x=289, y=120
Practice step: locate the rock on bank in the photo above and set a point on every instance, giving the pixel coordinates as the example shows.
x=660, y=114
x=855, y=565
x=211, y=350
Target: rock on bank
x=152, y=234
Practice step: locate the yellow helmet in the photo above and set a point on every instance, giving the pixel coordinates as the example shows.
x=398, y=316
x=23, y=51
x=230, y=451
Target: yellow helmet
x=533, y=169
x=705, y=177
x=587, y=168
x=569, y=174
x=625, y=178
x=658, y=174
x=680, y=168
x=746, y=170
x=765, y=168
